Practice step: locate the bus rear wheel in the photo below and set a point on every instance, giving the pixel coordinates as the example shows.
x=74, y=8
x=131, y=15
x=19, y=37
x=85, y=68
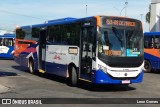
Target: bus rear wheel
x=147, y=66
x=73, y=77
x=31, y=67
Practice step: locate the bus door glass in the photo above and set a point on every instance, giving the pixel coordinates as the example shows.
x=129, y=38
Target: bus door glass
x=87, y=49
x=42, y=49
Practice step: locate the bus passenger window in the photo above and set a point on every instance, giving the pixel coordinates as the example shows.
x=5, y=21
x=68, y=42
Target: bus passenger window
x=146, y=44
x=149, y=42
x=157, y=43
x=1, y=42
x=8, y=42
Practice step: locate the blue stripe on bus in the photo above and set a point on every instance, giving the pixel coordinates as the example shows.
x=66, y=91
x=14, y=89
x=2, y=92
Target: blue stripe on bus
x=151, y=33
x=102, y=78
x=58, y=69
x=7, y=55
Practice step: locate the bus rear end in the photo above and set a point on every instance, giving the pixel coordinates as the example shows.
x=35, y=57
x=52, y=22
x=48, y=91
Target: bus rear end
x=7, y=46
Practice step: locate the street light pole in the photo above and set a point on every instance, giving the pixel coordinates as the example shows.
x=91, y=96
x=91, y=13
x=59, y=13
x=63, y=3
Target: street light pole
x=122, y=10
x=125, y=7
x=86, y=10
x=126, y=3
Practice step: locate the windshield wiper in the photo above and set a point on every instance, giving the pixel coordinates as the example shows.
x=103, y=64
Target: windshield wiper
x=116, y=34
x=133, y=34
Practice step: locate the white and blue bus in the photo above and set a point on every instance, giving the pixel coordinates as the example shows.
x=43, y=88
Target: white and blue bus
x=7, y=46
x=98, y=49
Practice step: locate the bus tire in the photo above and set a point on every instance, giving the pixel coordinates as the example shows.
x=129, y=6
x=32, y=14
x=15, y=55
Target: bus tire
x=147, y=66
x=73, y=76
x=31, y=67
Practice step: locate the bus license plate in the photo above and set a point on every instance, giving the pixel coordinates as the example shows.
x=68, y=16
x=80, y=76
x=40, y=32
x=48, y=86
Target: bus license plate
x=125, y=81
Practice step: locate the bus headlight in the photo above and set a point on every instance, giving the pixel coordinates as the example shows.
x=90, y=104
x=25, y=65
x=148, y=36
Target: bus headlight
x=104, y=69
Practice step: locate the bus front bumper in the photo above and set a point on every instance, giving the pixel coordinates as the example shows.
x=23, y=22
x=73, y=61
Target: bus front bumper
x=99, y=77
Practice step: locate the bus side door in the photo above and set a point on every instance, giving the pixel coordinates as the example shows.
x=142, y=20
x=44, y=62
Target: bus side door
x=42, y=50
x=88, y=49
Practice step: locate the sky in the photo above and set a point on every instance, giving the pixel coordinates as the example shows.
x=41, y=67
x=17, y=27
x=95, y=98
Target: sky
x=28, y=12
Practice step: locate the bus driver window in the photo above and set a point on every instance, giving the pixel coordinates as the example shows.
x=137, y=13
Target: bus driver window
x=104, y=41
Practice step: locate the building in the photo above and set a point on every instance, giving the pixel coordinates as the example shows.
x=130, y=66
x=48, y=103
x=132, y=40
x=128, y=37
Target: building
x=155, y=16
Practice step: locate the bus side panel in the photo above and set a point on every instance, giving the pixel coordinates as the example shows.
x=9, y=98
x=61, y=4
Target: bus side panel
x=9, y=54
x=21, y=60
x=153, y=56
x=153, y=60
x=57, y=69
x=58, y=59
x=22, y=55
x=6, y=52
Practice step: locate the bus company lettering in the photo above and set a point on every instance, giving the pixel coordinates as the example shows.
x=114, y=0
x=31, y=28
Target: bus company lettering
x=120, y=23
x=57, y=53
x=57, y=57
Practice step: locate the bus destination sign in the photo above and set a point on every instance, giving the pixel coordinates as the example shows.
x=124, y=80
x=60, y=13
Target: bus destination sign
x=114, y=22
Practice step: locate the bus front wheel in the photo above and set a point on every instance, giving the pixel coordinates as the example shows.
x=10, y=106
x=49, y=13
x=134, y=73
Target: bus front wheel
x=73, y=76
x=147, y=66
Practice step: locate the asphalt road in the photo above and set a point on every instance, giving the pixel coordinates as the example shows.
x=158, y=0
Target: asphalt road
x=16, y=82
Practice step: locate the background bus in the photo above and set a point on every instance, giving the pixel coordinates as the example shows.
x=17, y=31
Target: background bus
x=152, y=51
x=98, y=49
x=7, y=46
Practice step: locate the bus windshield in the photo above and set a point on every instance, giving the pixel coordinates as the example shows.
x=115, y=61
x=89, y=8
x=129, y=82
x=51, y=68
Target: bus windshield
x=121, y=42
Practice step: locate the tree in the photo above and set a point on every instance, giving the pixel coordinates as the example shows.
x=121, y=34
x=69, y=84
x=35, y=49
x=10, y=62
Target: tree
x=148, y=15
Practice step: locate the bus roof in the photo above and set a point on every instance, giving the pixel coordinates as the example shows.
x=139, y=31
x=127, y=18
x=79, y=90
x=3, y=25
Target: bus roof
x=56, y=21
x=65, y=21
x=151, y=33
x=7, y=36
